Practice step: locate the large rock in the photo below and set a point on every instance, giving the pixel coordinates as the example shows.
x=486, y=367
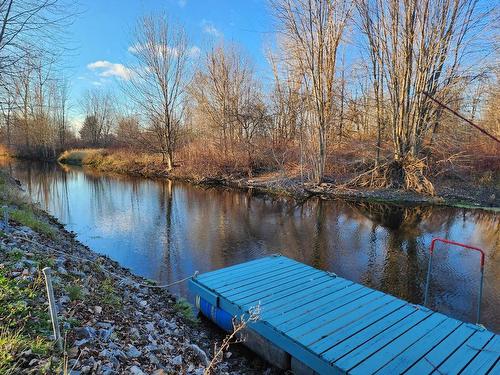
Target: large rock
x=133, y=352
x=135, y=370
x=177, y=360
x=202, y=356
x=85, y=332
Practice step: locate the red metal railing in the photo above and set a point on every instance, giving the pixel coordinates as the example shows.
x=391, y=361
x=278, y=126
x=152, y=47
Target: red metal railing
x=481, y=252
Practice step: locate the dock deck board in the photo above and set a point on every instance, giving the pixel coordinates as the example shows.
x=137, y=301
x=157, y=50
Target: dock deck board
x=336, y=326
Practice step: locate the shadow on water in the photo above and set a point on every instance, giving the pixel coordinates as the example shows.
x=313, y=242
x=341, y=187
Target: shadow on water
x=166, y=230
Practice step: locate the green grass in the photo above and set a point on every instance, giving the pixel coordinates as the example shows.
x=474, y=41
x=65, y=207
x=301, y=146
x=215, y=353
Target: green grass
x=108, y=296
x=75, y=292
x=185, y=309
x=25, y=216
x=23, y=212
x=12, y=344
x=24, y=321
x=15, y=255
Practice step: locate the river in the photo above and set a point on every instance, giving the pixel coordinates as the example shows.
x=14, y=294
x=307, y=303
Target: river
x=166, y=230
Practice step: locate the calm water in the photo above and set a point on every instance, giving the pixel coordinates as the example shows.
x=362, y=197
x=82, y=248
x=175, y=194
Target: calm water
x=166, y=230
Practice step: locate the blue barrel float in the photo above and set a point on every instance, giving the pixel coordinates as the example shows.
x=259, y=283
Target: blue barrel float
x=220, y=317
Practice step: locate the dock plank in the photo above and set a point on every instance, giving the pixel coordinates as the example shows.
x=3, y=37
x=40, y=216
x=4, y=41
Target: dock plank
x=429, y=362
x=338, y=350
x=234, y=287
x=336, y=326
x=261, y=286
x=346, y=316
x=279, y=291
x=346, y=320
x=357, y=326
x=398, y=363
x=319, y=308
x=376, y=355
x=237, y=268
x=261, y=270
x=286, y=302
x=485, y=360
x=459, y=360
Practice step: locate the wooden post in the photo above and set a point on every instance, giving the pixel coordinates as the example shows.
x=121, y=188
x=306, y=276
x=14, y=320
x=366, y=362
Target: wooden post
x=6, y=219
x=52, y=308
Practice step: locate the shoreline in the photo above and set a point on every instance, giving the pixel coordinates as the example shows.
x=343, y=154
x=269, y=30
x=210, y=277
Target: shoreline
x=301, y=192
x=111, y=321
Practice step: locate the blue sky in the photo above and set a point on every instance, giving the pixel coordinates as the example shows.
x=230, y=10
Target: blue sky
x=103, y=32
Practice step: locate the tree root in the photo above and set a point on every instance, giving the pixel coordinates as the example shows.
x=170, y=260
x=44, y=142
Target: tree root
x=406, y=173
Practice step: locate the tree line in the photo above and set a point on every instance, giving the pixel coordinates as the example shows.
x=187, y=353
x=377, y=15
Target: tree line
x=345, y=74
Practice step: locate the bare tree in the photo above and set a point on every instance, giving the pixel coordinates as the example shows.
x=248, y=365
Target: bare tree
x=100, y=117
x=226, y=91
x=415, y=47
x=286, y=102
x=157, y=84
x=7, y=108
x=311, y=33
x=128, y=132
x=31, y=43
x=61, y=114
x=30, y=27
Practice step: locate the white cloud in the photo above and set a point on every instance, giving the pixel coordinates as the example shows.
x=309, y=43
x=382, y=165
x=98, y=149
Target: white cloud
x=136, y=48
x=193, y=51
x=209, y=28
x=76, y=121
x=108, y=69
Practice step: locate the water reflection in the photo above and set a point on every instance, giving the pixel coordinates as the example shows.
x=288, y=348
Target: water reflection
x=166, y=231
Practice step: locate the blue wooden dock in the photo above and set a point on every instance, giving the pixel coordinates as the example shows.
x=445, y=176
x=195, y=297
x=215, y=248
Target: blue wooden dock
x=336, y=326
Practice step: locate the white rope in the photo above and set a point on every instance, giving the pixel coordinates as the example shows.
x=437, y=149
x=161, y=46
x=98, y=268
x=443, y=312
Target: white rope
x=104, y=269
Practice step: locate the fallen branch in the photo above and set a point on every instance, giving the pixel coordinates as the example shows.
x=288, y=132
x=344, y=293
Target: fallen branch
x=233, y=338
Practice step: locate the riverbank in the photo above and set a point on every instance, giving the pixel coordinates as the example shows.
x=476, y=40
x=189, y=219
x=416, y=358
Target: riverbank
x=484, y=194
x=112, y=322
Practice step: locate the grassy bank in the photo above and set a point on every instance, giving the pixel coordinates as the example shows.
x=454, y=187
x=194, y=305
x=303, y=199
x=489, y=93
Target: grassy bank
x=110, y=320
x=138, y=164
x=483, y=193
x=25, y=324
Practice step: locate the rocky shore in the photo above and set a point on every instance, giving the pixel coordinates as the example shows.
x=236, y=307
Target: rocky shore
x=111, y=322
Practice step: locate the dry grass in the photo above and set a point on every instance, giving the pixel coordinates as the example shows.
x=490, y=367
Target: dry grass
x=81, y=156
x=349, y=163
x=117, y=161
x=5, y=155
x=196, y=161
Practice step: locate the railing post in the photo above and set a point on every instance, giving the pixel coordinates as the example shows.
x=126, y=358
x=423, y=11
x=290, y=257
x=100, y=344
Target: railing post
x=480, y=294
x=52, y=308
x=482, y=259
x=428, y=281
